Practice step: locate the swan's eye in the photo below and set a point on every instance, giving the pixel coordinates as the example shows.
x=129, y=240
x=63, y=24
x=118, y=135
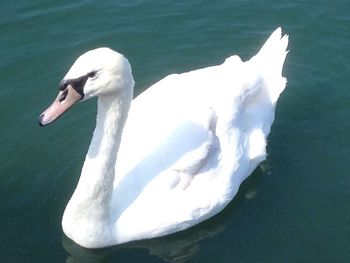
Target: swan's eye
x=92, y=74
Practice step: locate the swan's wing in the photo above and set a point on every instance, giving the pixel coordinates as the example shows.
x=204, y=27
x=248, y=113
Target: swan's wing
x=192, y=139
x=184, y=151
x=180, y=135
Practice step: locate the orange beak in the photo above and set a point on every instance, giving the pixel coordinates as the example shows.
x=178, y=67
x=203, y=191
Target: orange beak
x=64, y=101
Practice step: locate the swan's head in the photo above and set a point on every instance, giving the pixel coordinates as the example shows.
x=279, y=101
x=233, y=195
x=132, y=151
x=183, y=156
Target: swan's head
x=98, y=72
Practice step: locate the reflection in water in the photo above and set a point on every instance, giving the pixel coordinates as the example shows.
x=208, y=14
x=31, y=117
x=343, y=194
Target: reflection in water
x=176, y=248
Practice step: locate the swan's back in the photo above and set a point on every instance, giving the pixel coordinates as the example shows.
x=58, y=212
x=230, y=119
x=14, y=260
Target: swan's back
x=191, y=139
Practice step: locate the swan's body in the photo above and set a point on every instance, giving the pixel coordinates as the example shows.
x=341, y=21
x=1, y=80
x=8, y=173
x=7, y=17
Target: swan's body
x=188, y=143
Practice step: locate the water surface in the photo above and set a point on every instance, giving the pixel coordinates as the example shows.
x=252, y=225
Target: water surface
x=294, y=208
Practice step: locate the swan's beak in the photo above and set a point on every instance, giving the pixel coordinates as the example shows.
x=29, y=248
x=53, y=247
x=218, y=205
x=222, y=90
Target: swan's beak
x=65, y=100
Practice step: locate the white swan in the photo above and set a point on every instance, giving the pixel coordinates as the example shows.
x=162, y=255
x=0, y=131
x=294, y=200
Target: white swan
x=188, y=142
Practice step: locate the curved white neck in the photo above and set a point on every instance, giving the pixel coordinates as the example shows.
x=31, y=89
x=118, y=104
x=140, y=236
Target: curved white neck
x=91, y=201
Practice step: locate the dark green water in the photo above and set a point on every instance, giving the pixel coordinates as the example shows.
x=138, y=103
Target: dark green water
x=295, y=208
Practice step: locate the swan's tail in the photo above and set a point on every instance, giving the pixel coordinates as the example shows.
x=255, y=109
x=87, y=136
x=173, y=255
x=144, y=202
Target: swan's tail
x=270, y=60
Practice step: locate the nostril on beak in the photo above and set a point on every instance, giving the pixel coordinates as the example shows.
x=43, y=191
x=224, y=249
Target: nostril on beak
x=64, y=95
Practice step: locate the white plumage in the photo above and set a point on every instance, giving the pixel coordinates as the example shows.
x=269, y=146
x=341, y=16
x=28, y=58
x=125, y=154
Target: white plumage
x=188, y=143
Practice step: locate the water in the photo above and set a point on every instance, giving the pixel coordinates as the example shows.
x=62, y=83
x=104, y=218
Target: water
x=294, y=208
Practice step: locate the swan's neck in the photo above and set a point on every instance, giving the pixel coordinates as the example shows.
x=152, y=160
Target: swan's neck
x=91, y=201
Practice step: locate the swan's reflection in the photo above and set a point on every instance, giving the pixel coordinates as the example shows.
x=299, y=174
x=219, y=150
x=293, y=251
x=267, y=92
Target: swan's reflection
x=177, y=248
